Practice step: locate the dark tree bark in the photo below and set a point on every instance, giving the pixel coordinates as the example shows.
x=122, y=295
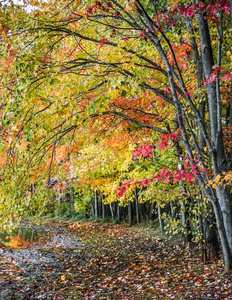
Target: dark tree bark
x=161, y=221
x=152, y=211
x=137, y=207
x=96, y=204
x=130, y=218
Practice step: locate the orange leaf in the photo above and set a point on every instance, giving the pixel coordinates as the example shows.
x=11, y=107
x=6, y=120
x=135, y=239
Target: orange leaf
x=23, y=146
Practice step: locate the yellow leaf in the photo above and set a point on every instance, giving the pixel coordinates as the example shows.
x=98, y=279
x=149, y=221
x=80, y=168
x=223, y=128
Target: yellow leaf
x=214, y=186
x=16, y=127
x=210, y=182
x=217, y=178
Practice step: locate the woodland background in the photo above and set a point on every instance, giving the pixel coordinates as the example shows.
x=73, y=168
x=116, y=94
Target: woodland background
x=120, y=110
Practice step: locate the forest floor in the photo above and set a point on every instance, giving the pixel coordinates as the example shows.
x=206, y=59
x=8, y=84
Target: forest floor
x=106, y=261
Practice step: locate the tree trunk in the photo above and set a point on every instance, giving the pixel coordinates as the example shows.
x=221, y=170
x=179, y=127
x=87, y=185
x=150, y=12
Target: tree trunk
x=221, y=200
x=112, y=211
x=72, y=199
x=172, y=210
x=143, y=210
x=230, y=121
x=130, y=213
x=58, y=198
x=32, y=236
x=119, y=213
x=103, y=209
x=161, y=221
x=114, y=208
x=136, y=206
x=96, y=204
x=92, y=206
x=189, y=235
x=183, y=217
x=223, y=237
x=225, y=205
x=152, y=211
x=211, y=240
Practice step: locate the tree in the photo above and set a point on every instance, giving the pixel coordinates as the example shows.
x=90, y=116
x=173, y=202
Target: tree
x=177, y=53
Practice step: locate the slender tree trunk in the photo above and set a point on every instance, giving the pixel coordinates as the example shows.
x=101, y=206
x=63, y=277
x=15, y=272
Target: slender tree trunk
x=189, y=235
x=143, y=210
x=152, y=210
x=58, y=198
x=63, y=196
x=72, y=199
x=130, y=213
x=99, y=205
x=161, y=221
x=200, y=79
x=114, y=208
x=183, y=217
x=211, y=239
x=96, y=204
x=112, y=211
x=172, y=210
x=119, y=212
x=92, y=206
x=103, y=209
x=124, y=212
x=208, y=225
x=136, y=206
x=230, y=120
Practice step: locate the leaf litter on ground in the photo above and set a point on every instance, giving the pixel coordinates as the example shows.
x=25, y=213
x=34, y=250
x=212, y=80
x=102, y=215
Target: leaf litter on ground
x=119, y=262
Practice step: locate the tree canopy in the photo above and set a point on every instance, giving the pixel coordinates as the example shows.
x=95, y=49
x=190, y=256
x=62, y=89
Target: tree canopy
x=114, y=96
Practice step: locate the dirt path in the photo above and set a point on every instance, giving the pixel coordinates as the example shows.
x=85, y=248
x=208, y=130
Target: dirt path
x=94, y=261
